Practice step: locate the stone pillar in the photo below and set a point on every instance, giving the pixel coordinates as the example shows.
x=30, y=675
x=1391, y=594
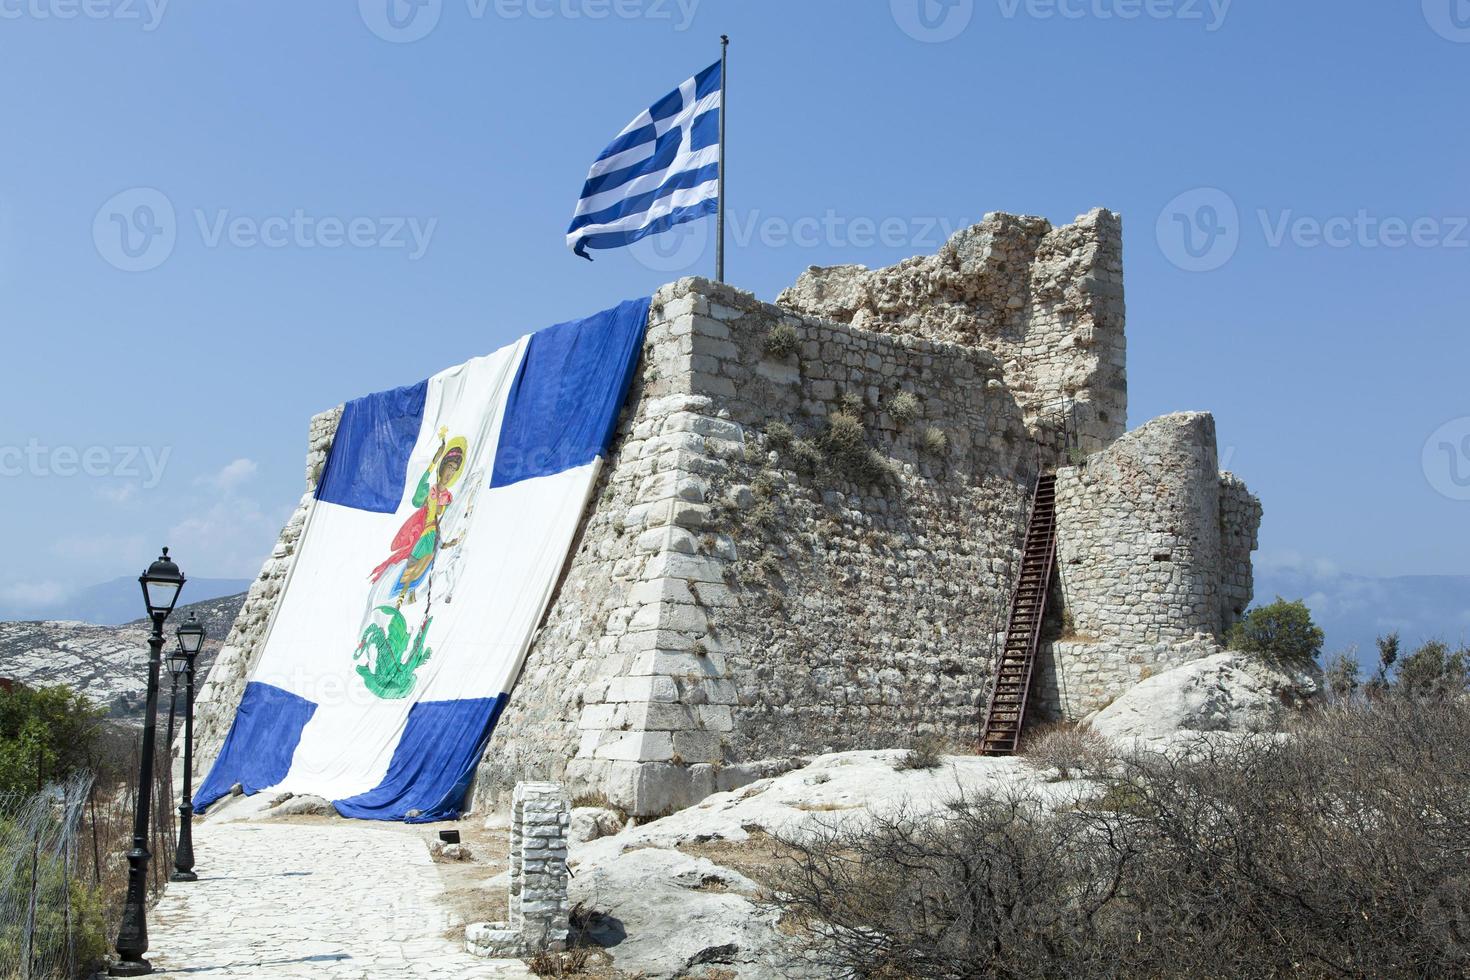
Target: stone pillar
x=540, y=816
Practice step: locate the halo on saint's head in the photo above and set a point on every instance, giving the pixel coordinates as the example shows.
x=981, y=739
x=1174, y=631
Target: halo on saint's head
x=455, y=449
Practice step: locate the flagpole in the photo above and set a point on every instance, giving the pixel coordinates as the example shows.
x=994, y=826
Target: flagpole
x=720, y=214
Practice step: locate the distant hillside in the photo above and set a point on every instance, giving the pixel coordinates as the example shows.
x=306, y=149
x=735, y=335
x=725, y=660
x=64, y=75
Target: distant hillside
x=107, y=663
x=119, y=601
x=1355, y=609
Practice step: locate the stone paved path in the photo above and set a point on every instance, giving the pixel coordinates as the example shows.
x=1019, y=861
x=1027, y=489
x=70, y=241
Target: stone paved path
x=349, y=900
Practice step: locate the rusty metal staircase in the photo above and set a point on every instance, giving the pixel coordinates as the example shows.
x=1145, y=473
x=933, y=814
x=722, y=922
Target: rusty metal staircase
x=1017, y=661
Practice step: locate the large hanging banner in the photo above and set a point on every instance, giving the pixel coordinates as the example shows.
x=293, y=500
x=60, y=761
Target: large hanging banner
x=440, y=527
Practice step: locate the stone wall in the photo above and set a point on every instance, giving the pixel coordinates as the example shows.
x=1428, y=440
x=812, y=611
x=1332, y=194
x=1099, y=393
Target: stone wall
x=1047, y=301
x=806, y=533
x=1240, y=520
x=804, y=542
x=215, y=704
x=1153, y=557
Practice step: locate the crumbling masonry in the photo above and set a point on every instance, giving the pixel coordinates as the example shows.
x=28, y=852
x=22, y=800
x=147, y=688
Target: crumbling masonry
x=807, y=531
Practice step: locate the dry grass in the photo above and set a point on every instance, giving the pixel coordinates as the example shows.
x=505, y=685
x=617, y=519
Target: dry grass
x=1338, y=852
x=1073, y=750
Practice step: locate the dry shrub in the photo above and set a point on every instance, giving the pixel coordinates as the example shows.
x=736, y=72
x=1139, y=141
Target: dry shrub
x=1343, y=850
x=903, y=407
x=570, y=963
x=926, y=752
x=1074, y=751
x=782, y=341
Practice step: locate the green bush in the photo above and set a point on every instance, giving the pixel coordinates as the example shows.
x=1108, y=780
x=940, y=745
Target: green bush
x=782, y=341
x=903, y=407
x=779, y=436
x=1433, y=671
x=60, y=902
x=847, y=450
x=52, y=728
x=936, y=443
x=1282, y=629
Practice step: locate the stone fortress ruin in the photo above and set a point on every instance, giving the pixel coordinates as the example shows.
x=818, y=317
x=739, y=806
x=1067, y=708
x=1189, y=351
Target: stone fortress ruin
x=810, y=528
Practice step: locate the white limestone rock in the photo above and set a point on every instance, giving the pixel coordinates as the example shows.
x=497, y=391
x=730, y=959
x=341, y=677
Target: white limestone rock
x=664, y=914
x=1225, y=692
x=590, y=823
x=843, y=786
x=300, y=806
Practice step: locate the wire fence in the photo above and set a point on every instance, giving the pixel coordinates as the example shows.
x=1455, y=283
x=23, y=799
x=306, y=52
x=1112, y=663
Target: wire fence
x=64, y=870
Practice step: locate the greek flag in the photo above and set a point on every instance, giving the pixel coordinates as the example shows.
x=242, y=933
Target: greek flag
x=662, y=170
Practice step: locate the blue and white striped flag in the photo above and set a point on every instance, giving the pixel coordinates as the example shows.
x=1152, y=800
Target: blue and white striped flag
x=662, y=170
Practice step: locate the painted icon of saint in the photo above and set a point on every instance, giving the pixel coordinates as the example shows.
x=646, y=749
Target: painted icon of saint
x=418, y=541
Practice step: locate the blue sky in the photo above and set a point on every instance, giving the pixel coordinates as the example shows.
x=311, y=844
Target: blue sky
x=1315, y=153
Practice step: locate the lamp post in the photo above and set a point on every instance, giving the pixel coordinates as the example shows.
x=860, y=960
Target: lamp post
x=176, y=666
x=161, y=585
x=191, y=641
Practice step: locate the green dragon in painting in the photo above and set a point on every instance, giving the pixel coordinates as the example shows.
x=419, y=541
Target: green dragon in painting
x=390, y=676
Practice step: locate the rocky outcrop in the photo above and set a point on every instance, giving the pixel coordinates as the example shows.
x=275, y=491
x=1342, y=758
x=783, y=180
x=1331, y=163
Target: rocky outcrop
x=109, y=664
x=1047, y=301
x=1227, y=691
x=662, y=913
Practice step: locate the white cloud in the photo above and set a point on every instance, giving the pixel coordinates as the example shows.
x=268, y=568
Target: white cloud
x=119, y=493
x=90, y=553
x=230, y=478
x=230, y=539
x=33, y=593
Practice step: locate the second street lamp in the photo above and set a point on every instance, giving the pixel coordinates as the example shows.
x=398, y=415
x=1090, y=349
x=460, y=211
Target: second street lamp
x=161, y=584
x=191, y=641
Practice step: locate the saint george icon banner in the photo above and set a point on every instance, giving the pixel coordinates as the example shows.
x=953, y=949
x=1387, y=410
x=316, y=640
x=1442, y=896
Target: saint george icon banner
x=435, y=540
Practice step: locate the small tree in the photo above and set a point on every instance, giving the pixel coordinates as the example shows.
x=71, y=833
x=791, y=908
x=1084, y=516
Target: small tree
x=1433, y=671
x=1388, y=652
x=47, y=733
x=1282, y=629
x=1342, y=674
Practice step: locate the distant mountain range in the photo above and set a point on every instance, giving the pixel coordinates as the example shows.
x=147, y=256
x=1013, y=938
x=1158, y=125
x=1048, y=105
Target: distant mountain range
x=1353, y=610
x=107, y=663
x=117, y=602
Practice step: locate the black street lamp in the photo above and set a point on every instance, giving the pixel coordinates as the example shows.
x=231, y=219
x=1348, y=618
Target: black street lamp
x=176, y=665
x=191, y=641
x=161, y=585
